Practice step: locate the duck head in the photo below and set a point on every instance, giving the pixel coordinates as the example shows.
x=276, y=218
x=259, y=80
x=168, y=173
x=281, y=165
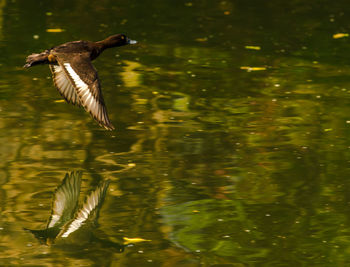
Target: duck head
x=117, y=40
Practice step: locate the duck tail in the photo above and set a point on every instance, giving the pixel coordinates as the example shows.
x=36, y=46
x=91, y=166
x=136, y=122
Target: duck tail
x=35, y=59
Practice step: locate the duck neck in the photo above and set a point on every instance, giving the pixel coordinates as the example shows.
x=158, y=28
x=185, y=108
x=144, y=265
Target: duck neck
x=97, y=50
x=104, y=44
x=101, y=45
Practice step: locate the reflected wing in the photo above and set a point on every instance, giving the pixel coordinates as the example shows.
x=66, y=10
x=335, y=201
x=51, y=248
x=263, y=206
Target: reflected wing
x=91, y=207
x=65, y=200
x=64, y=85
x=83, y=77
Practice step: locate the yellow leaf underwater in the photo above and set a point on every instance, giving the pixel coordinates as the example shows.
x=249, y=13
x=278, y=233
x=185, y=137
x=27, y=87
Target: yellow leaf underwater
x=247, y=68
x=340, y=35
x=252, y=47
x=55, y=30
x=60, y=101
x=134, y=240
x=204, y=39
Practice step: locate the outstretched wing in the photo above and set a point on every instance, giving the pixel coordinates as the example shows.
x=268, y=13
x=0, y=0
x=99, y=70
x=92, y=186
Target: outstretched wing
x=64, y=85
x=65, y=200
x=83, y=77
x=91, y=206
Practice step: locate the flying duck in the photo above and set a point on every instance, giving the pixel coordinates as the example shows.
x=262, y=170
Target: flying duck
x=74, y=75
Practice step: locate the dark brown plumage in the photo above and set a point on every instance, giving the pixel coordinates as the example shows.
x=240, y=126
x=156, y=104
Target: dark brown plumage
x=74, y=75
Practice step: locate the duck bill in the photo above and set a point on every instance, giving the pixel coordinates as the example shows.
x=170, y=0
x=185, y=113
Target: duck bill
x=129, y=41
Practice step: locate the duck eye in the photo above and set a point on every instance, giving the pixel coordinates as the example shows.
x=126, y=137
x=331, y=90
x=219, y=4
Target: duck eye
x=123, y=37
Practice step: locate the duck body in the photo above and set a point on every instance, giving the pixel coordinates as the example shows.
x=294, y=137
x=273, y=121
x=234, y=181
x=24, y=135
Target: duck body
x=75, y=47
x=75, y=77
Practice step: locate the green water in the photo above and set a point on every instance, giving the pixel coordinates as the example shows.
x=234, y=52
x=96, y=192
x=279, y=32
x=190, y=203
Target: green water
x=232, y=140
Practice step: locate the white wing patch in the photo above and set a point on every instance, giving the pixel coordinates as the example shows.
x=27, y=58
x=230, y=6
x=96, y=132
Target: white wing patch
x=75, y=225
x=86, y=96
x=91, y=203
x=64, y=85
x=78, y=82
x=54, y=219
x=58, y=208
x=87, y=99
x=65, y=199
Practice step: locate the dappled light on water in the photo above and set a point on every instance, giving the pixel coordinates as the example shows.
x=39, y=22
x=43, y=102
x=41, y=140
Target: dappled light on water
x=231, y=144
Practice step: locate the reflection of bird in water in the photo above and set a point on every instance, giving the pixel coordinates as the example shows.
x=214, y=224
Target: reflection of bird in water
x=66, y=217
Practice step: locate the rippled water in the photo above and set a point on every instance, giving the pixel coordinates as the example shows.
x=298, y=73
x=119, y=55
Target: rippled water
x=232, y=134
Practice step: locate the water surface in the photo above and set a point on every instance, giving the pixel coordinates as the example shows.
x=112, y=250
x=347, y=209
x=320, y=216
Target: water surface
x=232, y=133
